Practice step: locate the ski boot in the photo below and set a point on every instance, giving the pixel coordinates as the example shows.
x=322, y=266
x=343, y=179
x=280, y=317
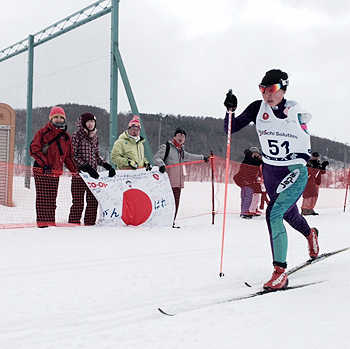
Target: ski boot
x=312, y=240
x=278, y=280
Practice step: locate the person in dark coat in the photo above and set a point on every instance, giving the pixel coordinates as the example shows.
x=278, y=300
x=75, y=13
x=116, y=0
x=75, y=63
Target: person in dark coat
x=51, y=147
x=247, y=179
x=310, y=195
x=87, y=157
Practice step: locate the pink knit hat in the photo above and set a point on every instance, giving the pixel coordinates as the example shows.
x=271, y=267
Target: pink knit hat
x=135, y=121
x=57, y=111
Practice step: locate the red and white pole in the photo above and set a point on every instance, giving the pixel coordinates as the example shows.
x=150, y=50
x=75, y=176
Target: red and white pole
x=228, y=152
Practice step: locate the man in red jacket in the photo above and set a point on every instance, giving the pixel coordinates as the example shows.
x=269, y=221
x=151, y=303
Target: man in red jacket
x=51, y=147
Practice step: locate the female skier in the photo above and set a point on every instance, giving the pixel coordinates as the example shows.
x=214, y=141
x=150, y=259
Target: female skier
x=285, y=142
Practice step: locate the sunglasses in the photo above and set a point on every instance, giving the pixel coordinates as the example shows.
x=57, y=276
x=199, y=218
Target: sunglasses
x=270, y=89
x=273, y=88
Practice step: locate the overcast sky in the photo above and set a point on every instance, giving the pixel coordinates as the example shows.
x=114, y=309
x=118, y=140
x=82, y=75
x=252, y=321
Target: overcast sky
x=182, y=56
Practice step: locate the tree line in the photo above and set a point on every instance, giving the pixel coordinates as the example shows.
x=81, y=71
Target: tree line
x=204, y=134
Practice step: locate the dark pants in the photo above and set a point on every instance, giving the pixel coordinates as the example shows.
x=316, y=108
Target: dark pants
x=46, y=193
x=78, y=189
x=177, y=193
x=246, y=199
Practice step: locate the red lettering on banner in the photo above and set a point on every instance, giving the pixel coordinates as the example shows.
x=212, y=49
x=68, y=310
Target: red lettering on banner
x=99, y=184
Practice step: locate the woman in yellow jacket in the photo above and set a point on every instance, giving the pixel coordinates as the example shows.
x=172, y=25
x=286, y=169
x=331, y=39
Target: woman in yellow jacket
x=128, y=150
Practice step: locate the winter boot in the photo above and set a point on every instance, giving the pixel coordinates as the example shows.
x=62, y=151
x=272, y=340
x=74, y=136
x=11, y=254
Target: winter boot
x=306, y=212
x=278, y=280
x=246, y=216
x=312, y=240
x=312, y=212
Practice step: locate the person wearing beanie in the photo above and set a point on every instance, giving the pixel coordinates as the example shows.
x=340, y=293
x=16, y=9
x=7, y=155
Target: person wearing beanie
x=173, y=153
x=51, y=147
x=310, y=195
x=257, y=162
x=247, y=179
x=282, y=129
x=128, y=151
x=87, y=157
x=58, y=117
x=57, y=111
x=180, y=130
x=135, y=122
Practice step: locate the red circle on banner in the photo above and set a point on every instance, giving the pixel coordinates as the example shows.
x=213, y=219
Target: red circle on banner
x=137, y=207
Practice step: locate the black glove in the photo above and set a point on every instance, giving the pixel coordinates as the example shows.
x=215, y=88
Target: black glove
x=110, y=169
x=324, y=165
x=230, y=101
x=133, y=164
x=93, y=173
x=148, y=167
x=162, y=169
x=206, y=158
x=46, y=170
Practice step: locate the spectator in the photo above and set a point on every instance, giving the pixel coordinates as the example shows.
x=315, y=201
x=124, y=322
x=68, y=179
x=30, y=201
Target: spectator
x=172, y=153
x=246, y=179
x=87, y=158
x=253, y=209
x=51, y=147
x=128, y=151
x=310, y=195
x=285, y=142
x=264, y=198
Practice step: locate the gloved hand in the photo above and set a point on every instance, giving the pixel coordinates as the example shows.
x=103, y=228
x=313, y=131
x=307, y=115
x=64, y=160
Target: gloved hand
x=110, y=169
x=230, y=101
x=133, y=164
x=148, y=167
x=93, y=173
x=206, y=158
x=324, y=165
x=46, y=170
x=162, y=169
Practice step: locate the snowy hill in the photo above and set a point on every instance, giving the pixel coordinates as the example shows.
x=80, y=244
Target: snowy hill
x=99, y=288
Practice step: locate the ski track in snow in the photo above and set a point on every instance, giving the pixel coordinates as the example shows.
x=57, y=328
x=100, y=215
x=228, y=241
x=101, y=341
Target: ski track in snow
x=98, y=287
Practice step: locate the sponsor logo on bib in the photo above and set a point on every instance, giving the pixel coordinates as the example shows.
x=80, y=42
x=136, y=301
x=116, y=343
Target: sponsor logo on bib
x=288, y=180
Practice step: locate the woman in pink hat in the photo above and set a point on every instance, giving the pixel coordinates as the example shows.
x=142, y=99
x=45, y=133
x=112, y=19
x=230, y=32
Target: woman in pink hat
x=51, y=147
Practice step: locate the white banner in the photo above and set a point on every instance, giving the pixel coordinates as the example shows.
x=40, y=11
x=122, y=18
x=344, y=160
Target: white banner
x=133, y=197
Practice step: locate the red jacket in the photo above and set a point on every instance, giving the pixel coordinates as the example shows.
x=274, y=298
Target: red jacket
x=58, y=153
x=313, y=182
x=248, y=173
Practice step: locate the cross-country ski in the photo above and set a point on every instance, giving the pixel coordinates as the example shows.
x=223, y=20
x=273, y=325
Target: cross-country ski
x=243, y=297
x=310, y=261
x=319, y=258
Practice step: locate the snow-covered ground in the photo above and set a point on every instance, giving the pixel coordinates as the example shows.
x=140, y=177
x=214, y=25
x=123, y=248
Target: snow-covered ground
x=99, y=288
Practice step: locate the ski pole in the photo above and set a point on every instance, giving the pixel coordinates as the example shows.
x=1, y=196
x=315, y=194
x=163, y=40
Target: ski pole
x=212, y=187
x=228, y=152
